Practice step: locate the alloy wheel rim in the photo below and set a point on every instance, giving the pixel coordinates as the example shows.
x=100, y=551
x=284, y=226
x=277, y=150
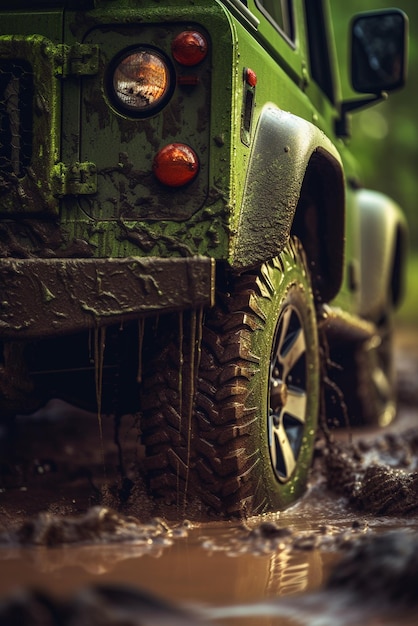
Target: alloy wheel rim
x=287, y=394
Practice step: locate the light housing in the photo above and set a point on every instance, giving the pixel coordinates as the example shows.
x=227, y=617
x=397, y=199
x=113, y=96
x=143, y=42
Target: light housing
x=141, y=81
x=175, y=165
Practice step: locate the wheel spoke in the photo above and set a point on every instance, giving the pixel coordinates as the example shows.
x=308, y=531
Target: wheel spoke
x=293, y=352
x=296, y=404
x=283, y=456
x=284, y=329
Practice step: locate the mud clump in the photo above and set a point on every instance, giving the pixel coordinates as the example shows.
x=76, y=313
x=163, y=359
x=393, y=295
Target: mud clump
x=379, y=476
x=269, y=537
x=97, y=525
x=383, y=568
x=95, y=606
x=388, y=491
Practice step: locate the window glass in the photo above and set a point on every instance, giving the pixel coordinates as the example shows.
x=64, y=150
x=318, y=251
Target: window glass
x=279, y=12
x=318, y=47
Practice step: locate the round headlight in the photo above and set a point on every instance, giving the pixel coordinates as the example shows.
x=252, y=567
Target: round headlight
x=141, y=81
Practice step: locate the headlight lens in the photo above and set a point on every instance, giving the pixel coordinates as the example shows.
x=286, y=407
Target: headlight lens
x=142, y=81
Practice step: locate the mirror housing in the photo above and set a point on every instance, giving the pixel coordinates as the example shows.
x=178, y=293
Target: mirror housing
x=379, y=51
x=379, y=55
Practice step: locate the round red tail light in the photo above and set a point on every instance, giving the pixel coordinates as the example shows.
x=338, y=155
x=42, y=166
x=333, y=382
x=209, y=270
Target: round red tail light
x=189, y=48
x=175, y=165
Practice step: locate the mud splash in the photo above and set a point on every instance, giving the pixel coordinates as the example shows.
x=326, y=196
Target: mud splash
x=269, y=537
x=99, y=525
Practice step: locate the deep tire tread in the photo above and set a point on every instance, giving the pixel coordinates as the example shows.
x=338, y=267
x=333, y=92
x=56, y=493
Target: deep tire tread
x=219, y=467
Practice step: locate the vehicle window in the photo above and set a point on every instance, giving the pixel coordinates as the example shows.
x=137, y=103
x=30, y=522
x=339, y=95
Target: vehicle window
x=318, y=47
x=280, y=13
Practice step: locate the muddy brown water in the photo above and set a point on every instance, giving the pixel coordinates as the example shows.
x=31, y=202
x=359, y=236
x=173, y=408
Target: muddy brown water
x=60, y=533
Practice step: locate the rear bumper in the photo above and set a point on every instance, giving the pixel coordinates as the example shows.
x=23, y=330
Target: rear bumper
x=47, y=297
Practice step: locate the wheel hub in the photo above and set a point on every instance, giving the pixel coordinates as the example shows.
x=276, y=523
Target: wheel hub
x=279, y=395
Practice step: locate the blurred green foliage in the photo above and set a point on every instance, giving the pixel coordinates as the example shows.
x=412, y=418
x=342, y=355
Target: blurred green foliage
x=407, y=314
x=385, y=136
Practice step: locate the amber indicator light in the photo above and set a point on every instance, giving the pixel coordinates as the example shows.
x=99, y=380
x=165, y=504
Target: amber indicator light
x=175, y=165
x=250, y=77
x=189, y=48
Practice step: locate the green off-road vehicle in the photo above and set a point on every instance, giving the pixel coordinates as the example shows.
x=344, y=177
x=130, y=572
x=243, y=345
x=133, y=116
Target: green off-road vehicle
x=183, y=233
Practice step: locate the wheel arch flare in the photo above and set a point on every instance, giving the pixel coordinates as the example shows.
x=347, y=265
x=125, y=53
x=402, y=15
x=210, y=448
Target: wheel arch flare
x=291, y=160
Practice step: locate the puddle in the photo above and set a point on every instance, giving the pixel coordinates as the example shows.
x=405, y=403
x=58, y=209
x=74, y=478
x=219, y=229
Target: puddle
x=188, y=570
x=210, y=585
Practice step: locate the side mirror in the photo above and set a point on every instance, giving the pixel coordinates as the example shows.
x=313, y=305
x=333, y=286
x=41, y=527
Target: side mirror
x=379, y=51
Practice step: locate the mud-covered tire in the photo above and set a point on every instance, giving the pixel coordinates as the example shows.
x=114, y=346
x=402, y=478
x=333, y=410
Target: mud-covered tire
x=377, y=378
x=366, y=381
x=241, y=441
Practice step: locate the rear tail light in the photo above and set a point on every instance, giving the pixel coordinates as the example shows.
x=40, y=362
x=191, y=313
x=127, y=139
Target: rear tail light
x=189, y=48
x=175, y=165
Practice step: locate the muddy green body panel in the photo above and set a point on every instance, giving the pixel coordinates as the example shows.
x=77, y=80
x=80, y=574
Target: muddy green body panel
x=86, y=189
x=124, y=210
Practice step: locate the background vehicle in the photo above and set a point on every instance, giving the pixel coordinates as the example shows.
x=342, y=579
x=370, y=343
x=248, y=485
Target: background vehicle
x=183, y=232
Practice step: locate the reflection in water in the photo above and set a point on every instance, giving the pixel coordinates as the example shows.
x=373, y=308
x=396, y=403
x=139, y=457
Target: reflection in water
x=287, y=577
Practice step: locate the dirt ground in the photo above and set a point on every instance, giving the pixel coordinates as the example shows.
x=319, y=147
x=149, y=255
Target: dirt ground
x=79, y=544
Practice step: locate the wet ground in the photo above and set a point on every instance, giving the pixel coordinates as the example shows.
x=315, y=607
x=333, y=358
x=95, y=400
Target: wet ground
x=347, y=553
